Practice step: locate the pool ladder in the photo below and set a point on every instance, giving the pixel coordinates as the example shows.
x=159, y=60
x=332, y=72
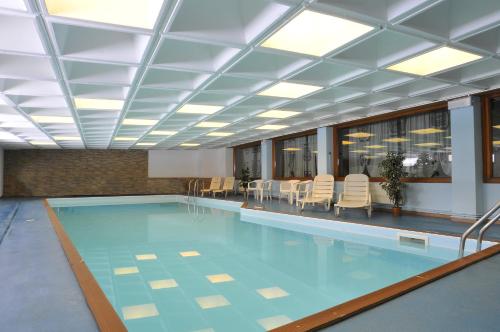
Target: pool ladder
x=483, y=221
x=193, y=187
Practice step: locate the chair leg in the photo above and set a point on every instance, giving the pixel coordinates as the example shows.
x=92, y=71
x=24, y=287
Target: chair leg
x=369, y=212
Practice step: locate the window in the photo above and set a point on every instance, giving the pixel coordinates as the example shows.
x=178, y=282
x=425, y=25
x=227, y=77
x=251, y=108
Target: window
x=296, y=157
x=247, y=156
x=424, y=138
x=491, y=132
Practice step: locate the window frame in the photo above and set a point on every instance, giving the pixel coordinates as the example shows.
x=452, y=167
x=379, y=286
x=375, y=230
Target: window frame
x=244, y=146
x=487, y=137
x=285, y=137
x=381, y=118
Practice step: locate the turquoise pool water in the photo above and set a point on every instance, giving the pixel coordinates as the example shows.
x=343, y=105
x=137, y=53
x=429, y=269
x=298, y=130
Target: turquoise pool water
x=165, y=267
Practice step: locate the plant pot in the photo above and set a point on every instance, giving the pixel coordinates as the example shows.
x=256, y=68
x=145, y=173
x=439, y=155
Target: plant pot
x=396, y=211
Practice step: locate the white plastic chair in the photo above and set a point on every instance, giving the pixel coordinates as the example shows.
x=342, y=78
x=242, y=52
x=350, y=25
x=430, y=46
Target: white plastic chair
x=322, y=191
x=303, y=188
x=267, y=190
x=255, y=187
x=214, y=185
x=226, y=187
x=356, y=194
x=287, y=189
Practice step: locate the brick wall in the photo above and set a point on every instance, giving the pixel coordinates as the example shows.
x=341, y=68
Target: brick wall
x=56, y=173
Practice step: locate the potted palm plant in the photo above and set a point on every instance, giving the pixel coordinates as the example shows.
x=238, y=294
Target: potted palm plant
x=392, y=170
x=245, y=177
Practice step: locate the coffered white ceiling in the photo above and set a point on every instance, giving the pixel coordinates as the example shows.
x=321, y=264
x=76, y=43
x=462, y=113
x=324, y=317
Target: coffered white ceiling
x=129, y=74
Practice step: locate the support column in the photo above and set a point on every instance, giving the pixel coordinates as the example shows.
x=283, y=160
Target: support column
x=266, y=159
x=467, y=161
x=325, y=143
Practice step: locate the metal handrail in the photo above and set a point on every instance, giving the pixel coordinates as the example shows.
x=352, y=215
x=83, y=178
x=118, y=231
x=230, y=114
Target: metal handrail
x=478, y=223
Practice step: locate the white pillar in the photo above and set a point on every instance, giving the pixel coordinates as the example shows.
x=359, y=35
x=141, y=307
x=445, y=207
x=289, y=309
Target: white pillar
x=467, y=165
x=325, y=143
x=266, y=158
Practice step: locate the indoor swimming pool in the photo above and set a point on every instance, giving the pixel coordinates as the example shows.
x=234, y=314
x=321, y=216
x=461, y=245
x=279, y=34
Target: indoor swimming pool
x=184, y=267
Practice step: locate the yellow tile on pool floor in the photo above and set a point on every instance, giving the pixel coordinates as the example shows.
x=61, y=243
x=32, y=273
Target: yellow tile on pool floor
x=125, y=270
x=272, y=322
x=214, y=301
x=272, y=292
x=163, y=283
x=217, y=278
x=140, y=311
x=145, y=257
x=189, y=253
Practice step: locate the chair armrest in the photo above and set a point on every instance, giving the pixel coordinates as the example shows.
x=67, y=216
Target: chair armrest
x=341, y=197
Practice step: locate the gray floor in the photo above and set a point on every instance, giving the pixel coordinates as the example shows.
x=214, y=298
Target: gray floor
x=40, y=293
x=38, y=290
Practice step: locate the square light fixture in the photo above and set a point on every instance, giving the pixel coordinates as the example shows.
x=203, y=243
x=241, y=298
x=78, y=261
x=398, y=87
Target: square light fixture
x=426, y=131
x=189, y=144
x=214, y=301
x=272, y=293
x=360, y=134
x=125, y=270
x=163, y=132
x=220, y=134
x=138, y=14
x=199, y=109
x=428, y=144
x=146, y=257
x=67, y=138
x=269, y=323
x=140, y=311
x=39, y=142
x=434, y=61
x=163, y=283
x=315, y=34
x=98, y=104
x=348, y=142
x=125, y=138
x=277, y=114
x=146, y=144
x=210, y=124
x=139, y=122
x=272, y=127
x=396, y=140
x=52, y=119
x=289, y=90
x=191, y=253
x=218, y=278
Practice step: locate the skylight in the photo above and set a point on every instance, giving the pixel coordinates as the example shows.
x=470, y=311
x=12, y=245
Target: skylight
x=272, y=127
x=146, y=144
x=435, y=61
x=277, y=114
x=289, y=90
x=125, y=138
x=138, y=14
x=220, y=134
x=163, y=132
x=210, y=124
x=189, y=144
x=199, y=109
x=98, y=104
x=52, y=119
x=315, y=34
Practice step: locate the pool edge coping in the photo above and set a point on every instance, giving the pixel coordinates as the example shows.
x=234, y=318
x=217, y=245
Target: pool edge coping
x=105, y=315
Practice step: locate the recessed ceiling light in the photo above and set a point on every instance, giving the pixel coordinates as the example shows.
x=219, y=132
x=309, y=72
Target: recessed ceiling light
x=146, y=144
x=315, y=34
x=139, y=122
x=139, y=14
x=434, y=61
x=348, y=142
x=42, y=143
x=199, y=109
x=67, y=138
x=428, y=144
x=360, y=134
x=189, y=144
x=272, y=127
x=163, y=133
x=124, y=138
x=276, y=114
x=292, y=149
x=289, y=90
x=426, y=131
x=52, y=119
x=210, y=124
x=396, y=139
x=98, y=104
x=220, y=134
x=375, y=146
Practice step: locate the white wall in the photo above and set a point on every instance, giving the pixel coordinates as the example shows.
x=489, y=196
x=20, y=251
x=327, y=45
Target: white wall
x=190, y=163
x=491, y=194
